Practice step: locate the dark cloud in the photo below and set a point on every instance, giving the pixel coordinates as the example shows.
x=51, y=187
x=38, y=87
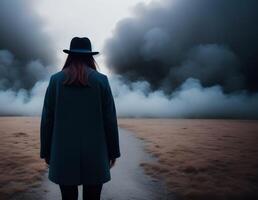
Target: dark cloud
x=190, y=51
x=16, y=74
x=168, y=42
x=25, y=49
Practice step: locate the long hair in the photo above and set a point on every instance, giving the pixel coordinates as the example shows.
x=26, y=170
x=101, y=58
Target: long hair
x=75, y=71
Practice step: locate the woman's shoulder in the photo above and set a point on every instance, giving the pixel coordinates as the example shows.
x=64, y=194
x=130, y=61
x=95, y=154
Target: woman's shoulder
x=99, y=76
x=57, y=75
x=97, y=73
x=56, y=78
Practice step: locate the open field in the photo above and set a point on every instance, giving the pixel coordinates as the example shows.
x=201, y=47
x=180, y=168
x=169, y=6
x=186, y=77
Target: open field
x=202, y=159
x=20, y=165
x=198, y=159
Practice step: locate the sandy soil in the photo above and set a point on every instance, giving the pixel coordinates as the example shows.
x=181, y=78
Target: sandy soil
x=202, y=159
x=198, y=159
x=20, y=165
x=138, y=186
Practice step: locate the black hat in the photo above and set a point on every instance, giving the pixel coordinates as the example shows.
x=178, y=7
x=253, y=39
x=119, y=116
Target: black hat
x=80, y=46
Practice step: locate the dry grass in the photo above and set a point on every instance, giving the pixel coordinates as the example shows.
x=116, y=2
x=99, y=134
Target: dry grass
x=202, y=159
x=199, y=159
x=20, y=165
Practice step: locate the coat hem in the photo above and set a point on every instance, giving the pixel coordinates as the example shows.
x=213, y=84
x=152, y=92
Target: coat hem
x=79, y=182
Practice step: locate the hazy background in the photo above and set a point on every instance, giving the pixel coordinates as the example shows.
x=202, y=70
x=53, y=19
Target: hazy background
x=165, y=58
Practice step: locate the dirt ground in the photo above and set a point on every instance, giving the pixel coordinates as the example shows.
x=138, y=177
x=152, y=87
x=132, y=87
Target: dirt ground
x=198, y=159
x=202, y=159
x=20, y=165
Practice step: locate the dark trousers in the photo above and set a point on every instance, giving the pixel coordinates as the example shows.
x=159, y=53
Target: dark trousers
x=90, y=192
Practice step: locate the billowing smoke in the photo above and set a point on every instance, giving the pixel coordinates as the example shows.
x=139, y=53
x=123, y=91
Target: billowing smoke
x=181, y=58
x=135, y=99
x=25, y=49
x=23, y=102
x=25, y=58
x=16, y=74
x=169, y=41
x=190, y=100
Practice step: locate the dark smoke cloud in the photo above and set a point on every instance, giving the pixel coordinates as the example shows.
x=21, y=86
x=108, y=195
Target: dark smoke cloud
x=166, y=43
x=193, y=50
x=25, y=49
x=16, y=74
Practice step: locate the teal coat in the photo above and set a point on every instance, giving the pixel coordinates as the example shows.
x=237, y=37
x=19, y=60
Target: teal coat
x=78, y=131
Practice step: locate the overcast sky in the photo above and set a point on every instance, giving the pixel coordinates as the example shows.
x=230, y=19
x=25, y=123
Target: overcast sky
x=96, y=19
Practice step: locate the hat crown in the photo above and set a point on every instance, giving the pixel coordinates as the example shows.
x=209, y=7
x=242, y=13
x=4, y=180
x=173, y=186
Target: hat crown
x=80, y=43
x=80, y=46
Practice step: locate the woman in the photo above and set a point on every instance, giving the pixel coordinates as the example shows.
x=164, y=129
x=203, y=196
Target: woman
x=79, y=133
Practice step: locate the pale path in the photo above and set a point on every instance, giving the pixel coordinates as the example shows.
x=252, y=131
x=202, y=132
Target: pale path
x=128, y=179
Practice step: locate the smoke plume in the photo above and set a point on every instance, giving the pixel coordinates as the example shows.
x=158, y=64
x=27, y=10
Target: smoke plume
x=25, y=49
x=180, y=58
x=190, y=100
x=135, y=99
x=167, y=42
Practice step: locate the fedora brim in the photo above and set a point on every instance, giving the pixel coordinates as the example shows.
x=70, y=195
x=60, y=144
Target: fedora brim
x=78, y=51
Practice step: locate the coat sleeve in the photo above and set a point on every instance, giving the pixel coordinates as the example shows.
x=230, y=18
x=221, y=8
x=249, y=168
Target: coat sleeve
x=110, y=122
x=47, y=121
